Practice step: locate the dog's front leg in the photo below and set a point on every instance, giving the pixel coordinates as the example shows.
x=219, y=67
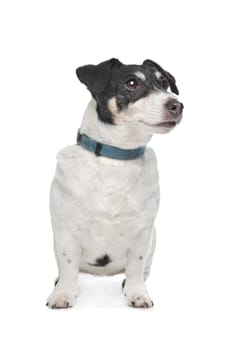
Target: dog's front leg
x=134, y=289
x=67, y=252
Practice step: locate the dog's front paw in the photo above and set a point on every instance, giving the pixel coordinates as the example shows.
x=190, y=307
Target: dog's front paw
x=140, y=300
x=62, y=299
x=137, y=296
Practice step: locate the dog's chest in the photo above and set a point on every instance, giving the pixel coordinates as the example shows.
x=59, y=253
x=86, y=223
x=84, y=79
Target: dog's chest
x=102, y=192
x=115, y=190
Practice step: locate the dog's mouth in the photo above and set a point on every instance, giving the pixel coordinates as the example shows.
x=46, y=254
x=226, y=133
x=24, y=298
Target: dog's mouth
x=168, y=124
x=171, y=124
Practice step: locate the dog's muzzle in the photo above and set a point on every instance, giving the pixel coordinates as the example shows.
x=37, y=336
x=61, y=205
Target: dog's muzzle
x=174, y=108
x=173, y=113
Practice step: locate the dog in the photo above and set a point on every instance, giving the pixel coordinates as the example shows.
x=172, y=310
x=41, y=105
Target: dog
x=105, y=194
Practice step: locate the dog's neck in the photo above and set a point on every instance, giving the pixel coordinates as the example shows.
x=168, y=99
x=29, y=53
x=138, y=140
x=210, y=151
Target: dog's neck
x=122, y=136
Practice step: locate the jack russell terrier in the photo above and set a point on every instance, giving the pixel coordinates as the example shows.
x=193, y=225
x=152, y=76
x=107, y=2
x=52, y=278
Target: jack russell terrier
x=105, y=193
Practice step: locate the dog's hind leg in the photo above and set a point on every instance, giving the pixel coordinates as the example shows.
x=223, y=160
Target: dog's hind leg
x=67, y=254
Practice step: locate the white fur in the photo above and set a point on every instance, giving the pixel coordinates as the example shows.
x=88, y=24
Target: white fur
x=158, y=75
x=140, y=75
x=105, y=206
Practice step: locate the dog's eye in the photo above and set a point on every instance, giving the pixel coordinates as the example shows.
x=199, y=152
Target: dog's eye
x=131, y=84
x=163, y=83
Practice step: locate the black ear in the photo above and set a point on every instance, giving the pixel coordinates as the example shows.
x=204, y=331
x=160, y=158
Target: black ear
x=170, y=78
x=96, y=77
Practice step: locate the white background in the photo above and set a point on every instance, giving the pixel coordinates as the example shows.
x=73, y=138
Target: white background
x=42, y=43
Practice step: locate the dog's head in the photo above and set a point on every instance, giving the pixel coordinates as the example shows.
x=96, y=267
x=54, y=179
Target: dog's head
x=133, y=94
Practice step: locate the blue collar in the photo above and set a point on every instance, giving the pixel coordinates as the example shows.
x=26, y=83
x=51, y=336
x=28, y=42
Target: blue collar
x=103, y=150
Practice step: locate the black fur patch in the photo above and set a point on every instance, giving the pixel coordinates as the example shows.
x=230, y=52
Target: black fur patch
x=102, y=261
x=109, y=79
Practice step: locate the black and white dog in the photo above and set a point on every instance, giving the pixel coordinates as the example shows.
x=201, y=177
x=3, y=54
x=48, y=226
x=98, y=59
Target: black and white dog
x=105, y=194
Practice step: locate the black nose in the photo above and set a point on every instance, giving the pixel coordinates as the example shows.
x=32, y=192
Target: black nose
x=174, y=107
